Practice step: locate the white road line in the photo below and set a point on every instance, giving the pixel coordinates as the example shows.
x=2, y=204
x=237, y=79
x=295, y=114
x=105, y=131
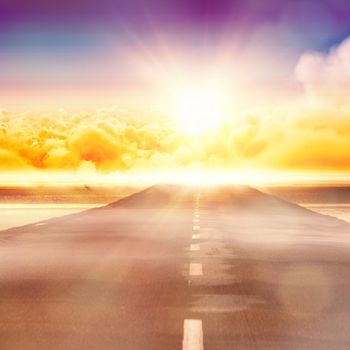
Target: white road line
x=195, y=220
x=196, y=236
x=196, y=227
x=193, y=335
x=196, y=269
x=195, y=247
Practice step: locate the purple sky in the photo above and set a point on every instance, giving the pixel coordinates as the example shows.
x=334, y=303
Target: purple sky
x=325, y=20
x=60, y=42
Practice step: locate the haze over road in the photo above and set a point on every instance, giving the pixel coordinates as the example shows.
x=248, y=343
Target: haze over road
x=176, y=267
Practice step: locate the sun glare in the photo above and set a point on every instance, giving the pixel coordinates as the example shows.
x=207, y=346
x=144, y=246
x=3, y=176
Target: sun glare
x=198, y=109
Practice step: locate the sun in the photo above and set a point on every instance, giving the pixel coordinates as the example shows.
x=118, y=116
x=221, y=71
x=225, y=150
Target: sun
x=197, y=109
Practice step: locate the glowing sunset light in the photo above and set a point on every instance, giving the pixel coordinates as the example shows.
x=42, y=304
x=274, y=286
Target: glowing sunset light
x=198, y=109
x=175, y=93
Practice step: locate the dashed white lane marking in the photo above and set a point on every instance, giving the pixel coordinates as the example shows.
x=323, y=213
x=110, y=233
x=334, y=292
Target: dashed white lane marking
x=195, y=220
x=196, y=236
x=196, y=215
x=195, y=247
x=193, y=335
x=196, y=227
x=196, y=269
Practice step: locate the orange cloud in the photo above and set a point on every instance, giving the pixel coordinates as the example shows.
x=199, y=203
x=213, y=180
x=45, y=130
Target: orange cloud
x=309, y=139
x=309, y=133
x=10, y=160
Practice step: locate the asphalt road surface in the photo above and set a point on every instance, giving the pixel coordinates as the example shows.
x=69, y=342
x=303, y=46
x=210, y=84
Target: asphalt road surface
x=176, y=267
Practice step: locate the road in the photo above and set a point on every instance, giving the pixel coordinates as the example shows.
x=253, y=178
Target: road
x=175, y=267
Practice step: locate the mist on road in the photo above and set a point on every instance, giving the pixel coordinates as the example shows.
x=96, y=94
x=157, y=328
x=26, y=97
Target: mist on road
x=251, y=271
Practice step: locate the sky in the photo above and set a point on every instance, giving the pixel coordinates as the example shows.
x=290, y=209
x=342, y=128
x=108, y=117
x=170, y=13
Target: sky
x=164, y=85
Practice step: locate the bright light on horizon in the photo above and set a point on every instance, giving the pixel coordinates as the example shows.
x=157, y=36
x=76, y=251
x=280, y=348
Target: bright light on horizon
x=191, y=177
x=198, y=109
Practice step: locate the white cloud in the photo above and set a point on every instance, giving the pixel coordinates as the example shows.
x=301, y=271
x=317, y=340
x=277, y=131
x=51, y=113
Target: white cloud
x=326, y=75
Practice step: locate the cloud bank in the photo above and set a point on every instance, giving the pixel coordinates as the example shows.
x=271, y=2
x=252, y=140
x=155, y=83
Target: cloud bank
x=106, y=141
x=310, y=133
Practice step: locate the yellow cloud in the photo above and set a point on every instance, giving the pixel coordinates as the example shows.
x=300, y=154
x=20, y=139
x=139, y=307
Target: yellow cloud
x=9, y=160
x=310, y=138
x=311, y=133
